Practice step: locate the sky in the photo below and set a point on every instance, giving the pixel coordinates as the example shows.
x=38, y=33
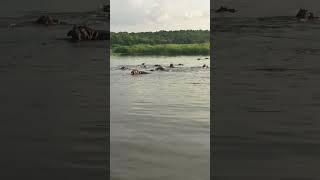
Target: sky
x=155, y=15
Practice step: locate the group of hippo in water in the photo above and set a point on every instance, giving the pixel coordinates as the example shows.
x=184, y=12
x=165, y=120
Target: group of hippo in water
x=78, y=32
x=157, y=67
x=303, y=14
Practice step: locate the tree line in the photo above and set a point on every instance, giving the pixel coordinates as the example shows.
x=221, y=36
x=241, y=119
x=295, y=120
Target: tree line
x=160, y=37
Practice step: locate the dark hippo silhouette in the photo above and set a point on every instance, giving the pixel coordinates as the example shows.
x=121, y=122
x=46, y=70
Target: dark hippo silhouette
x=171, y=66
x=124, y=68
x=180, y=64
x=160, y=68
x=305, y=14
x=137, y=72
x=301, y=13
x=225, y=9
x=47, y=20
x=82, y=32
x=143, y=65
x=205, y=66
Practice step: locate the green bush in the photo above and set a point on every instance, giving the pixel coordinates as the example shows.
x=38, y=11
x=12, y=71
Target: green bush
x=164, y=49
x=160, y=37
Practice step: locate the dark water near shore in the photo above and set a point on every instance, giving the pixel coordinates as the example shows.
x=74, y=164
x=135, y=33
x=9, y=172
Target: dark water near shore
x=160, y=121
x=13, y=8
x=266, y=92
x=53, y=97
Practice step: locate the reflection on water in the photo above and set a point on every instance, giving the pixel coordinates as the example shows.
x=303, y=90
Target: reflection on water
x=267, y=94
x=160, y=121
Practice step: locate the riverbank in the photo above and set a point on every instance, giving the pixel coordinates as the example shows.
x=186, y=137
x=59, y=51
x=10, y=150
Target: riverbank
x=163, y=43
x=163, y=50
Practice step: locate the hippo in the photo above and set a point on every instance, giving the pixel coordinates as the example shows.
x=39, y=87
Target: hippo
x=47, y=20
x=180, y=64
x=205, y=66
x=225, y=9
x=137, y=72
x=160, y=68
x=124, y=68
x=143, y=65
x=171, y=66
x=83, y=32
x=305, y=14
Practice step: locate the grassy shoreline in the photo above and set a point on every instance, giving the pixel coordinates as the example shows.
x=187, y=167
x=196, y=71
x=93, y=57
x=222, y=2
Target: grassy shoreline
x=161, y=43
x=162, y=50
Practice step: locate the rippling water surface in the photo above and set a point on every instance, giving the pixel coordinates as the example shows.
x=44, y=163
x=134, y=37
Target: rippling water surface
x=266, y=81
x=160, y=121
x=53, y=99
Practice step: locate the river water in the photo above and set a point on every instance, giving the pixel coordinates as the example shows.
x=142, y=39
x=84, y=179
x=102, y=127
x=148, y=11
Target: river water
x=160, y=121
x=266, y=92
x=53, y=94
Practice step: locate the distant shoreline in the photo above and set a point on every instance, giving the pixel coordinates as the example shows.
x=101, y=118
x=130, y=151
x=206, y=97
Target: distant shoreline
x=161, y=43
x=162, y=50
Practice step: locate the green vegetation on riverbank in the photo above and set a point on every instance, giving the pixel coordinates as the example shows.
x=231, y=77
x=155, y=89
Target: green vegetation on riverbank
x=163, y=49
x=167, y=43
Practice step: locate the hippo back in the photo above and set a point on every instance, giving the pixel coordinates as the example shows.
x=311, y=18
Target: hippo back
x=302, y=13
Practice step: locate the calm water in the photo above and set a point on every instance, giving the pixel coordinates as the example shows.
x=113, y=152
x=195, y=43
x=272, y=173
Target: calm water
x=267, y=100
x=13, y=8
x=52, y=98
x=160, y=121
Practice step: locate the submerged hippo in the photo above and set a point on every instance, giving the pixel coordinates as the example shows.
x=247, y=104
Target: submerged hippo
x=137, y=72
x=81, y=33
x=47, y=20
x=160, y=68
x=225, y=9
x=304, y=14
x=123, y=68
x=171, y=66
x=205, y=66
x=143, y=65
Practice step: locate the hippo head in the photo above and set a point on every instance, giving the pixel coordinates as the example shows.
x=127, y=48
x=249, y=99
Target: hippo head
x=134, y=72
x=302, y=13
